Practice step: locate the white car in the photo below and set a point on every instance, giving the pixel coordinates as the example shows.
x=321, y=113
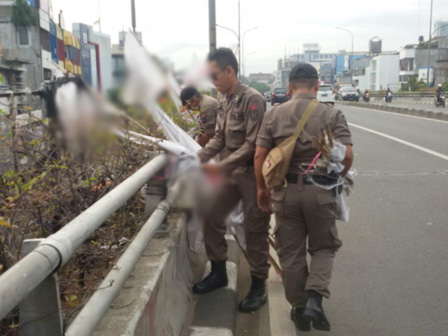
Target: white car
x=325, y=94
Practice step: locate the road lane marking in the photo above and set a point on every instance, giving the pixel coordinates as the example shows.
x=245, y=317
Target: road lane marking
x=404, y=142
x=398, y=114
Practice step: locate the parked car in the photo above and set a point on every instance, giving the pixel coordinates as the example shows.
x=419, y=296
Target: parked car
x=325, y=94
x=279, y=95
x=347, y=93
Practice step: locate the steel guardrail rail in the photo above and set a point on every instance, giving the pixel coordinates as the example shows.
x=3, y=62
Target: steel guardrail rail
x=21, y=279
x=90, y=316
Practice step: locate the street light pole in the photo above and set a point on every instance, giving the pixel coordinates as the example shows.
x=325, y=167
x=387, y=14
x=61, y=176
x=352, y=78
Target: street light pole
x=429, y=48
x=350, y=62
x=244, y=61
x=134, y=21
x=212, y=24
x=239, y=38
x=243, y=46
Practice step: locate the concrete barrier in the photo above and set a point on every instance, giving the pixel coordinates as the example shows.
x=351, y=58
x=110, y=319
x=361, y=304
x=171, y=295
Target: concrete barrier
x=157, y=297
x=414, y=111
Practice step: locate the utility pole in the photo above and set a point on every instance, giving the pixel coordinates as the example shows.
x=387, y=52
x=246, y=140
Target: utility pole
x=134, y=23
x=429, y=49
x=212, y=24
x=239, y=39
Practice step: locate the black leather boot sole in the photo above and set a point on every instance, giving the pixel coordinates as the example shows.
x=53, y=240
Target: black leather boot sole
x=300, y=322
x=319, y=320
x=256, y=298
x=209, y=284
x=253, y=306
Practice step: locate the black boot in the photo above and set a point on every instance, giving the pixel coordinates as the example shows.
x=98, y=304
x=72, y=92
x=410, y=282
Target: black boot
x=314, y=312
x=301, y=323
x=216, y=279
x=256, y=298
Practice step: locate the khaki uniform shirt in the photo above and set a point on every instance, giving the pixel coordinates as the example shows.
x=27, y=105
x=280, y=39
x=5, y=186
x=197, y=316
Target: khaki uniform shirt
x=208, y=111
x=238, y=122
x=280, y=122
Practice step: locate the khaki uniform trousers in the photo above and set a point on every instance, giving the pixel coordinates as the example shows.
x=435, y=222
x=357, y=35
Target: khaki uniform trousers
x=301, y=212
x=240, y=186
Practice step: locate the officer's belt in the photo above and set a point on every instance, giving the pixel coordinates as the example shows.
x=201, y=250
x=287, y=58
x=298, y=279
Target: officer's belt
x=293, y=178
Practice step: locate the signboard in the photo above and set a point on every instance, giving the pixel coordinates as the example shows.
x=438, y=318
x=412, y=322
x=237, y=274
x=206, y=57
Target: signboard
x=311, y=47
x=423, y=74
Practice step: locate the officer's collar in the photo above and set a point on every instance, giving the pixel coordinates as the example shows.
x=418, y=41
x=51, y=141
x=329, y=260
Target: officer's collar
x=236, y=97
x=304, y=96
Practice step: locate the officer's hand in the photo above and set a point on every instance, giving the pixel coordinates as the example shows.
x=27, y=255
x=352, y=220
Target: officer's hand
x=264, y=200
x=211, y=169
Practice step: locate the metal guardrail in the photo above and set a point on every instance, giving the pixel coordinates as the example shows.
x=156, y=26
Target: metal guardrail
x=38, y=267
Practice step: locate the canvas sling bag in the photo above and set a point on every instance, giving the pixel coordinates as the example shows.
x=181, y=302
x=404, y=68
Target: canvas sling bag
x=277, y=163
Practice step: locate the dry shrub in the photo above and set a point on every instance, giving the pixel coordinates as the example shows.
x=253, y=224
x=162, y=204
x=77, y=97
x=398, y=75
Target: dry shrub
x=48, y=187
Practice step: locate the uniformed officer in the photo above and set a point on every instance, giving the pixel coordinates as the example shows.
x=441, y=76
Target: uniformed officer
x=303, y=210
x=203, y=110
x=240, y=113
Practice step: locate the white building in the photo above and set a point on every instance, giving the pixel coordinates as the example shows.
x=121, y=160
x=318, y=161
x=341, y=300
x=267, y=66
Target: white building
x=382, y=72
x=407, y=63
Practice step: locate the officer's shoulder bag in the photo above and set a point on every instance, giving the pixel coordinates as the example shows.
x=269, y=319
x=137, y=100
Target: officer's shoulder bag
x=277, y=163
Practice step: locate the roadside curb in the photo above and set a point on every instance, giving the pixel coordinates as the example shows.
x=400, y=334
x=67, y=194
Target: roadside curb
x=430, y=114
x=215, y=312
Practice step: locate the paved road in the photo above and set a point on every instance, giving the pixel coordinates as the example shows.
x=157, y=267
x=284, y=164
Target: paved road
x=391, y=275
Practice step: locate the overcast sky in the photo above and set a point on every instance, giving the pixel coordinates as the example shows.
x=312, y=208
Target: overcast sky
x=178, y=29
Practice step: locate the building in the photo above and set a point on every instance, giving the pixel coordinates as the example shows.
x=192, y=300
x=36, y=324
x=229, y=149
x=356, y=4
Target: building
x=344, y=62
x=435, y=59
x=265, y=78
x=118, y=65
x=382, y=72
x=441, y=67
x=323, y=62
x=96, y=57
x=72, y=54
x=385, y=71
x=21, y=62
x=360, y=70
x=407, y=63
x=441, y=29
x=88, y=55
x=103, y=43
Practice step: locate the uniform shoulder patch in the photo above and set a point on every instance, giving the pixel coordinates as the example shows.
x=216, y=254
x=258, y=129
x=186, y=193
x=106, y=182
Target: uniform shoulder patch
x=253, y=107
x=254, y=112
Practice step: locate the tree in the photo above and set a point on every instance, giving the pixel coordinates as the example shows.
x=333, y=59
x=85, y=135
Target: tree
x=260, y=87
x=23, y=15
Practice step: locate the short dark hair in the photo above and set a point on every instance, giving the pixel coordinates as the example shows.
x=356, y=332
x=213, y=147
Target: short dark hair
x=303, y=83
x=188, y=93
x=224, y=57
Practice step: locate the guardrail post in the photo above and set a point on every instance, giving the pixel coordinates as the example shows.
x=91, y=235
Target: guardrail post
x=40, y=312
x=156, y=191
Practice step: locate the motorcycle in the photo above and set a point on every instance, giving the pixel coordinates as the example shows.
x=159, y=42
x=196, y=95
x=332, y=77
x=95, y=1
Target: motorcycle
x=389, y=98
x=367, y=97
x=441, y=101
